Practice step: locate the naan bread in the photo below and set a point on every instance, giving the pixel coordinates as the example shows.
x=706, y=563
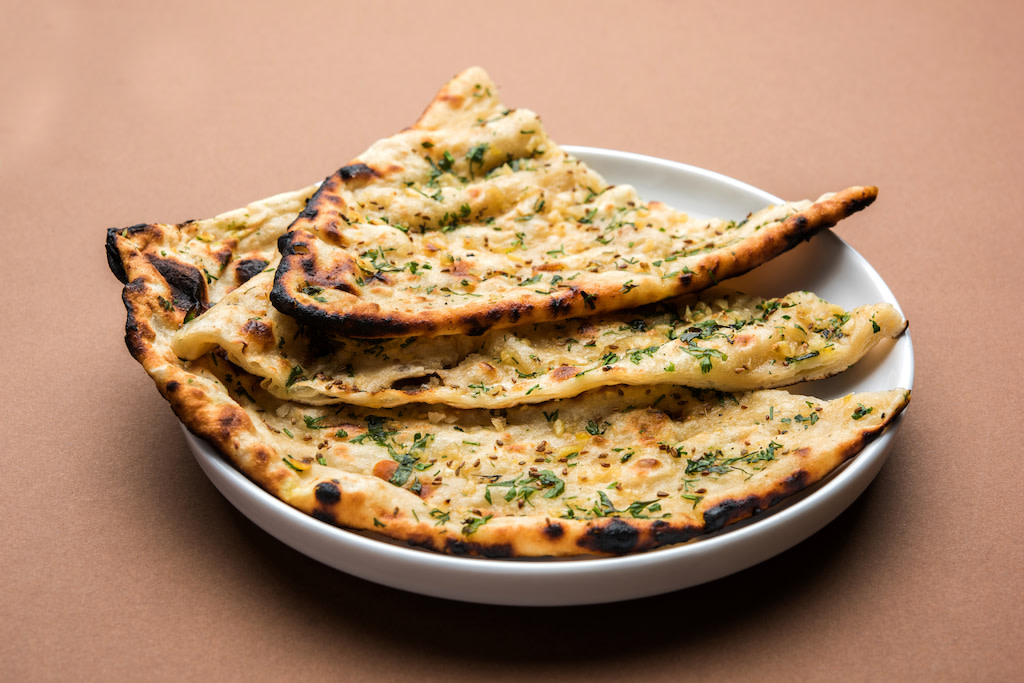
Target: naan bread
x=723, y=340
x=613, y=470
x=474, y=219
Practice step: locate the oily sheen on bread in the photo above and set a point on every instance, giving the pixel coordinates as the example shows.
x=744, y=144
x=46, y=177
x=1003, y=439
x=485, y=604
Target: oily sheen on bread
x=474, y=219
x=722, y=340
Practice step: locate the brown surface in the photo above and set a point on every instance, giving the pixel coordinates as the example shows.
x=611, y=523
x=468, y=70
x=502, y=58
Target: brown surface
x=122, y=561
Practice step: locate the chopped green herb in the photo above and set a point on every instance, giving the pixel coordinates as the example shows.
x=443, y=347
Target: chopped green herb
x=470, y=525
x=861, y=411
x=294, y=376
x=313, y=422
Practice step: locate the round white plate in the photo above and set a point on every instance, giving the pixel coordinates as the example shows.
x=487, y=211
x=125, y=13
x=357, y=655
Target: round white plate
x=824, y=265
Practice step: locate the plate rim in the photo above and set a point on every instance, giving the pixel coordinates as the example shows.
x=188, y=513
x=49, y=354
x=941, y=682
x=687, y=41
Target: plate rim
x=572, y=581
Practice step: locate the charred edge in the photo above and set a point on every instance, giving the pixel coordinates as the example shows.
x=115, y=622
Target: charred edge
x=828, y=213
x=368, y=327
x=730, y=511
x=663, y=533
x=309, y=211
x=324, y=192
x=561, y=304
x=324, y=515
x=357, y=172
x=285, y=247
x=617, y=537
x=248, y=268
x=468, y=548
x=513, y=312
x=381, y=327
x=327, y=492
x=861, y=200
x=317, y=320
x=114, y=261
x=136, y=331
x=188, y=286
x=800, y=230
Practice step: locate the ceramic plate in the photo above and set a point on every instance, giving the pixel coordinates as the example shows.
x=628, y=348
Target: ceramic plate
x=825, y=265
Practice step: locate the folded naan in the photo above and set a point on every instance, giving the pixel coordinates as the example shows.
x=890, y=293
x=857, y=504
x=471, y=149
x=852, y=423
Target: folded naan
x=722, y=340
x=474, y=219
x=612, y=470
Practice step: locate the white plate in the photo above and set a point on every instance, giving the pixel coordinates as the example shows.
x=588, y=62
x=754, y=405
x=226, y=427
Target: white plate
x=824, y=265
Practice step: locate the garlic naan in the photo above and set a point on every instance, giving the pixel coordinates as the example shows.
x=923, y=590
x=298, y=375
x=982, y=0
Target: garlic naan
x=612, y=470
x=722, y=340
x=474, y=219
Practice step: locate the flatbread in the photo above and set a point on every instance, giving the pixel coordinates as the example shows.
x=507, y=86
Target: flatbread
x=722, y=340
x=449, y=226
x=614, y=470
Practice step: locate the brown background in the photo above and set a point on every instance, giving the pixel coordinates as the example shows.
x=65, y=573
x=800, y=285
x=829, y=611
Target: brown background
x=120, y=560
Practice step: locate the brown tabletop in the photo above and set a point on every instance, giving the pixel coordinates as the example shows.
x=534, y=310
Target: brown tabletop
x=121, y=560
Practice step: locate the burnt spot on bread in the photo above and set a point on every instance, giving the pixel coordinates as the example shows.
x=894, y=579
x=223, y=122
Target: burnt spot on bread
x=357, y=171
x=465, y=548
x=327, y=492
x=258, y=333
x=664, y=533
x=299, y=249
x=733, y=510
x=114, y=260
x=497, y=551
x=616, y=537
x=561, y=302
x=261, y=454
x=187, y=283
x=230, y=422
x=553, y=530
x=225, y=252
x=325, y=515
x=248, y=268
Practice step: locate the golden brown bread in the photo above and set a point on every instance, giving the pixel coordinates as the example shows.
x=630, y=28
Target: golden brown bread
x=474, y=219
x=614, y=470
x=722, y=340
x=611, y=470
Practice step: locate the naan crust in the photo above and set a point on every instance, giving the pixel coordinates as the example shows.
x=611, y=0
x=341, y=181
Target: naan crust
x=722, y=340
x=201, y=261
x=448, y=227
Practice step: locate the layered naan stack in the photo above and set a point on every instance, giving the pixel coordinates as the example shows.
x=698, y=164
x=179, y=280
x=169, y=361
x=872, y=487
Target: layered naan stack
x=468, y=340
